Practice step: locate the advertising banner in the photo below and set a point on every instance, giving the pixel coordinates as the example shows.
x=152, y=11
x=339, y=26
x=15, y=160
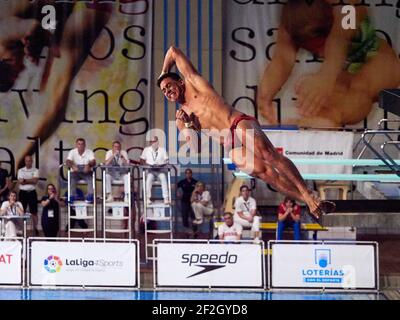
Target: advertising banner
x=327, y=145
x=275, y=66
x=209, y=265
x=89, y=77
x=339, y=266
x=10, y=262
x=83, y=264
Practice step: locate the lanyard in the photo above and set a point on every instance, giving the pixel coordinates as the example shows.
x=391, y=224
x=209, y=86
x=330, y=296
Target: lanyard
x=115, y=161
x=14, y=210
x=199, y=197
x=154, y=153
x=247, y=206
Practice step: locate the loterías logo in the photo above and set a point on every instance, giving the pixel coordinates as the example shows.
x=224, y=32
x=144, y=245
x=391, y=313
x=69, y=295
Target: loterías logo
x=53, y=264
x=322, y=272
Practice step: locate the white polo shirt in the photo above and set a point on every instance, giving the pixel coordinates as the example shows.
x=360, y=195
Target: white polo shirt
x=245, y=206
x=230, y=233
x=11, y=212
x=123, y=153
x=205, y=196
x=154, y=157
x=80, y=159
x=25, y=173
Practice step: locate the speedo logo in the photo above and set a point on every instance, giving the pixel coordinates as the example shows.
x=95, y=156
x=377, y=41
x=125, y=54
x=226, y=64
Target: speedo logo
x=208, y=262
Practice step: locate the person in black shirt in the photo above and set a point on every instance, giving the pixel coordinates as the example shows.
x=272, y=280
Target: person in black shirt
x=185, y=189
x=5, y=184
x=51, y=212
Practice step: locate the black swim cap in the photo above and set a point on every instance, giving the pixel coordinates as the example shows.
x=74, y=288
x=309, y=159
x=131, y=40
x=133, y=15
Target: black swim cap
x=171, y=75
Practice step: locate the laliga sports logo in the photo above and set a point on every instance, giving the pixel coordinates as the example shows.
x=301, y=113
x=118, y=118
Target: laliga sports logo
x=53, y=264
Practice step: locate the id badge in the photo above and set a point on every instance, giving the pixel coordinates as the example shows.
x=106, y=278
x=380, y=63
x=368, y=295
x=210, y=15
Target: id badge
x=50, y=213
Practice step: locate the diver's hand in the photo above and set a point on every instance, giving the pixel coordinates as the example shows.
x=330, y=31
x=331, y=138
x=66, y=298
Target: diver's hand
x=314, y=91
x=182, y=115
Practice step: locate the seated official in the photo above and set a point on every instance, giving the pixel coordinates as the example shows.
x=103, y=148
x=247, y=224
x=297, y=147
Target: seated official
x=289, y=214
x=229, y=230
x=154, y=155
x=201, y=203
x=12, y=207
x=246, y=212
x=81, y=162
x=116, y=158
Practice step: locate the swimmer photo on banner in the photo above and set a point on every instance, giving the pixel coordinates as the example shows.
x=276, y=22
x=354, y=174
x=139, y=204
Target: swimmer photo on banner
x=298, y=65
x=89, y=76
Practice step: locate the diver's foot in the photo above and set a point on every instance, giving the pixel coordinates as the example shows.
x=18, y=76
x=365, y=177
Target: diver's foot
x=324, y=207
x=327, y=206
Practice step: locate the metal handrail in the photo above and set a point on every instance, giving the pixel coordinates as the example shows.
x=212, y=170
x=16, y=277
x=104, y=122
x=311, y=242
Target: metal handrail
x=388, y=160
x=380, y=128
x=383, y=147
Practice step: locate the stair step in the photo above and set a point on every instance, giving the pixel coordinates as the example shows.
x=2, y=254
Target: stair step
x=82, y=230
x=159, y=231
x=117, y=230
x=158, y=218
x=116, y=218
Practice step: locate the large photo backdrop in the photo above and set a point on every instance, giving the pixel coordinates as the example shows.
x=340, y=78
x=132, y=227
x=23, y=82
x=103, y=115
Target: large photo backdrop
x=252, y=48
x=56, y=86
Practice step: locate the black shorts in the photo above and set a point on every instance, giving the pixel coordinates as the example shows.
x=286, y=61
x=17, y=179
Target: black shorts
x=29, y=198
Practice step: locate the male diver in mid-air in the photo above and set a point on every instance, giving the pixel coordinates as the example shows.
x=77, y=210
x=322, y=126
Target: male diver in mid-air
x=202, y=108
